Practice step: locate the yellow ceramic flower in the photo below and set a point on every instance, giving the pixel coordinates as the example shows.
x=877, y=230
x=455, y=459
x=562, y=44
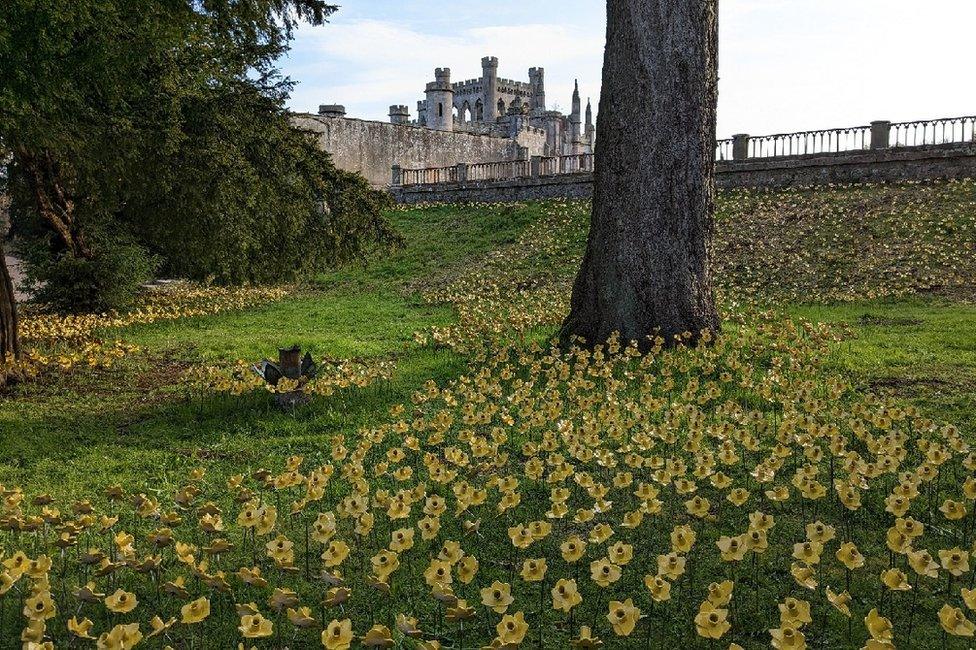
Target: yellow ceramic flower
x=534, y=570
x=738, y=496
x=808, y=552
x=40, y=606
x=460, y=612
x=336, y=596
x=600, y=533
x=195, y=611
x=511, y=629
x=497, y=597
x=301, y=618
x=794, y=613
x=438, y=573
x=732, y=549
x=335, y=554
x=849, y=556
x=955, y=622
x=953, y=510
x=338, y=635
x=159, y=626
x=623, y=616
x=402, y=540
x=878, y=626
x=604, y=572
x=955, y=561
x=804, y=575
x=565, y=595
x=820, y=532
x=671, y=566
x=711, y=622
x=378, y=636
x=572, y=549
x=81, y=629
x=120, y=637
x=787, y=638
x=697, y=506
x=969, y=597
x=659, y=587
x=121, y=602
x=895, y=580
x=282, y=598
x=682, y=539
x=467, y=569
x=384, y=563
x=840, y=601
x=909, y=527
x=720, y=593
x=923, y=564
x=586, y=640
x=407, y=625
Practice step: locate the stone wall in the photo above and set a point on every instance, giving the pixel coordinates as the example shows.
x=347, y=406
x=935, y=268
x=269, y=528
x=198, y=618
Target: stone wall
x=373, y=148
x=916, y=163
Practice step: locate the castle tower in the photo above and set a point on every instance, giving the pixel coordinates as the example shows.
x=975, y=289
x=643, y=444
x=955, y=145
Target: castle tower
x=590, y=129
x=489, y=81
x=440, y=101
x=537, y=83
x=399, y=114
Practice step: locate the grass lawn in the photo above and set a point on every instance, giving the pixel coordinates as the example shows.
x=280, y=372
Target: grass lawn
x=460, y=415
x=71, y=434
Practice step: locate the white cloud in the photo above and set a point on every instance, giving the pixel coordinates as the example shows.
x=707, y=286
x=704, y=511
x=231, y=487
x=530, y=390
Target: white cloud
x=785, y=65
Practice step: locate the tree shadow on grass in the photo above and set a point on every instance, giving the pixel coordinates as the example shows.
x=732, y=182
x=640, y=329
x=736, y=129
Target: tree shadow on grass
x=71, y=449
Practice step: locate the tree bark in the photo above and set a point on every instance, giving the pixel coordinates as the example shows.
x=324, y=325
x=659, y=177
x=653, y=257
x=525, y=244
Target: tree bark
x=9, y=341
x=646, y=267
x=51, y=198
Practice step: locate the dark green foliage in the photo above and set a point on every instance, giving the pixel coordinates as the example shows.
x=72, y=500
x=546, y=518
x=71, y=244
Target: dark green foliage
x=249, y=198
x=160, y=125
x=109, y=279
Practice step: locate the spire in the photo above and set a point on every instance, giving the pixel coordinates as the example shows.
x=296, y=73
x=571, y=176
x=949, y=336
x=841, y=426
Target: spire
x=576, y=103
x=589, y=112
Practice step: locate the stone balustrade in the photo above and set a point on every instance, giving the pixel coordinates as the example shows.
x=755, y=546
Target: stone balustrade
x=879, y=136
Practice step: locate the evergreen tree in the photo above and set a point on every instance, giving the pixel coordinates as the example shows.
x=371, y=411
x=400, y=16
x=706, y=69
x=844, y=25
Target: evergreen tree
x=155, y=130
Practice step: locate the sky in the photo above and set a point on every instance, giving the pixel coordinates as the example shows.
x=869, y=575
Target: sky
x=784, y=65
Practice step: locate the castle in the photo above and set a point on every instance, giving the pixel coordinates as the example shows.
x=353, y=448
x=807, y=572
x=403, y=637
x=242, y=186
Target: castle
x=501, y=108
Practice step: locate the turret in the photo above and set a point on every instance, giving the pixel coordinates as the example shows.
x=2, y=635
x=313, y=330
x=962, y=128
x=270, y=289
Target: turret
x=489, y=82
x=537, y=82
x=332, y=110
x=422, y=112
x=440, y=101
x=399, y=114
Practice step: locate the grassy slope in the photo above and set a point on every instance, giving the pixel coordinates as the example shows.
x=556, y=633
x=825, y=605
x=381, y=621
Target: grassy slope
x=94, y=428
x=922, y=350
x=87, y=430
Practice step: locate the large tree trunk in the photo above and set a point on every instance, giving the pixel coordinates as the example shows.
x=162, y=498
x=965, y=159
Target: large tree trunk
x=9, y=342
x=646, y=267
